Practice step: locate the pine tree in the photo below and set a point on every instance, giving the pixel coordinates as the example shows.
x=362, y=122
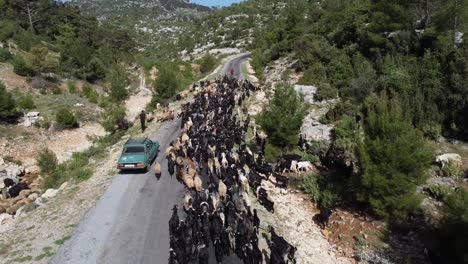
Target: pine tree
x=393, y=159
x=282, y=120
x=7, y=103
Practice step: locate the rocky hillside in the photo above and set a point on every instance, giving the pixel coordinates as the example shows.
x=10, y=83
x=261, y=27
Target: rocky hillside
x=152, y=20
x=144, y=11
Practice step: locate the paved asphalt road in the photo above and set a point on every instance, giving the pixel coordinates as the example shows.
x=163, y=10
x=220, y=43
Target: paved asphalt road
x=129, y=224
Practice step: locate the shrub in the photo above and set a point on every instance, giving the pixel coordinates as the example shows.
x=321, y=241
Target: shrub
x=312, y=187
x=113, y=119
x=325, y=91
x=166, y=85
x=65, y=119
x=207, y=63
x=71, y=86
x=453, y=232
x=271, y=153
x=26, y=102
x=317, y=73
x=89, y=93
x=451, y=170
x=155, y=100
x=119, y=81
x=5, y=55
x=20, y=67
x=282, y=119
x=438, y=192
x=45, y=124
x=56, y=90
x=47, y=161
x=7, y=103
x=432, y=131
x=323, y=190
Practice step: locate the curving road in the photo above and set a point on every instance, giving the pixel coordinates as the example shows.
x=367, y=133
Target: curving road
x=129, y=224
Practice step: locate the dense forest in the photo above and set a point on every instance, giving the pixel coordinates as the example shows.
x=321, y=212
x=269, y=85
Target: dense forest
x=412, y=50
x=53, y=37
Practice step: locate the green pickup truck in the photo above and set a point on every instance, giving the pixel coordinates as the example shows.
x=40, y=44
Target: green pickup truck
x=138, y=153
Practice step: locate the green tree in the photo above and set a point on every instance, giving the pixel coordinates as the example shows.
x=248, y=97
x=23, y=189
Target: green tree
x=20, y=67
x=393, y=160
x=119, y=81
x=47, y=161
x=113, y=119
x=282, y=119
x=7, y=103
x=5, y=55
x=207, y=63
x=453, y=232
x=166, y=85
x=65, y=119
x=26, y=102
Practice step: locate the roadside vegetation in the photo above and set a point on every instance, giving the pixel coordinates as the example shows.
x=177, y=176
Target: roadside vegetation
x=79, y=167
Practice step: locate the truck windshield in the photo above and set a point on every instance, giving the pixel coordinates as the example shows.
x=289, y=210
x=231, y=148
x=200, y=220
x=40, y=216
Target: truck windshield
x=134, y=150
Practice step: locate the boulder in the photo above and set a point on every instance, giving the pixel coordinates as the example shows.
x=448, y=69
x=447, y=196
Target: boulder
x=50, y=193
x=33, y=114
x=1, y=161
x=40, y=201
x=26, y=123
x=79, y=105
x=13, y=171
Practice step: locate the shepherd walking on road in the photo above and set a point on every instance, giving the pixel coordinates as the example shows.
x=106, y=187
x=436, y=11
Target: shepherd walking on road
x=142, y=120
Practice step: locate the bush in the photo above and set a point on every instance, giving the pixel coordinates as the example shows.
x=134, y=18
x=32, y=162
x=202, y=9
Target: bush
x=207, y=63
x=438, y=192
x=325, y=91
x=451, y=170
x=5, y=55
x=7, y=103
x=166, y=85
x=312, y=187
x=65, y=119
x=119, y=81
x=282, y=119
x=432, y=131
x=453, y=232
x=26, y=102
x=317, y=73
x=71, y=86
x=20, y=67
x=113, y=119
x=89, y=93
x=324, y=191
x=272, y=153
x=47, y=161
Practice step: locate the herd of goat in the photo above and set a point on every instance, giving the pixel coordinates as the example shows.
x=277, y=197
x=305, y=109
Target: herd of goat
x=218, y=169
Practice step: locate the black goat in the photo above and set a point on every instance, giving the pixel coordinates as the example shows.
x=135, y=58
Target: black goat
x=262, y=197
x=281, y=181
x=174, y=221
